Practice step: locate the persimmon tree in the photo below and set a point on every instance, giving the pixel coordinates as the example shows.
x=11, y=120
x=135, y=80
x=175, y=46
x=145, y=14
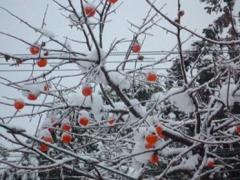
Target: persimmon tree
x=121, y=123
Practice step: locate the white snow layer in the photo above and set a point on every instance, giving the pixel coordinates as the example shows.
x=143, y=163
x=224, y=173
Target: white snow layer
x=138, y=107
x=95, y=102
x=46, y=33
x=119, y=80
x=44, y=133
x=229, y=94
x=142, y=158
x=186, y=164
x=181, y=100
x=33, y=88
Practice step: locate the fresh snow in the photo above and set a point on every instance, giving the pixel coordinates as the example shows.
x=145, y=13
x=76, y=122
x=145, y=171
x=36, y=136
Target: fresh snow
x=119, y=80
x=227, y=96
x=44, y=133
x=181, y=100
x=33, y=88
x=186, y=164
x=46, y=33
x=94, y=102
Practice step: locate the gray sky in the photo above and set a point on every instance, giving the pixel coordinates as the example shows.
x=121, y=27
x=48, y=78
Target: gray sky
x=32, y=12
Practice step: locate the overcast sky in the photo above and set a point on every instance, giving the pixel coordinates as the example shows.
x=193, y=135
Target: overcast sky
x=131, y=10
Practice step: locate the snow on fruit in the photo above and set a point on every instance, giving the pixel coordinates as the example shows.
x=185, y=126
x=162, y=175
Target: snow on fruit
x=210, y=163
x=87, y=90
x=136, y=47
x=42, y=62
x=159, y=131
x=34, y=49
x=45, y=135
x=66, y=126
x=89, y=10
x=32, y=96
x=139, y=147
x=151, y=139
x=66, y=138
x=83, y=121
x=48, y=139
x=149, y=146
x=19, y=104
x=151, y=77
x=238, y=130
x=154, y=159
x=111, y=120
x=31, y=91
x=43, y=147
